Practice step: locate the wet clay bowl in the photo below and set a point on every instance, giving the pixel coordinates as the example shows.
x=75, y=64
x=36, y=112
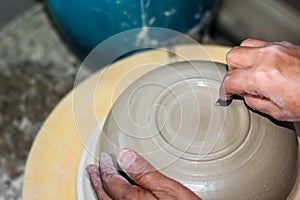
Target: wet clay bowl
x=169, y=116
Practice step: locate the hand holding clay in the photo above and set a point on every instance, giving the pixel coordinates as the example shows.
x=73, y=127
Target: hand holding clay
x=151, y=184
x=267, y=76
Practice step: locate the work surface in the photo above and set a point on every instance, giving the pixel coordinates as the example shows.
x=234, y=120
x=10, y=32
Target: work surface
x=52, y=164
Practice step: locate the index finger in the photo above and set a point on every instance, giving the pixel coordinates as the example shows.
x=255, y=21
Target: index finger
x=243, y=57
x=95, y=179
x=235, y=83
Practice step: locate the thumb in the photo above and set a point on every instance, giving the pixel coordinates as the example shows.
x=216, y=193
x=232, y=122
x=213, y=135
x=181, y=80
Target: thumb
x=145, y=175
x=139, y=170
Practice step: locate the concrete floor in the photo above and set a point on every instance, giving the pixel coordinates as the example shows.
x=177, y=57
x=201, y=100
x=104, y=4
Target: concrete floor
x=9, y=9
x=36, y=71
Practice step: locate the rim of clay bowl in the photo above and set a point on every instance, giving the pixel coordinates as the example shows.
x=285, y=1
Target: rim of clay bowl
x=84, y=190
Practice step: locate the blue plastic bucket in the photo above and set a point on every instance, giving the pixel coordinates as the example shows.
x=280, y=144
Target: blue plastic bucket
x=86, y=23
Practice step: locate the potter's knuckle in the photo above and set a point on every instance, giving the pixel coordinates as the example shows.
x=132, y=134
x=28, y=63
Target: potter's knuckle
x=229, y=55
x=227, y=79
x=143, y=172
x=145, y=176
x=230, y=82
x=247, y=41
x=141, y=177
x=230, y=79
x=232, y=52
x=137, y=177
x=286, y=43
x=278, y=49
x=257, y=77
x=274, y=50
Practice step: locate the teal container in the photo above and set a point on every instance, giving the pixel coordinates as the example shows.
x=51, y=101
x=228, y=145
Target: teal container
x=86, y=23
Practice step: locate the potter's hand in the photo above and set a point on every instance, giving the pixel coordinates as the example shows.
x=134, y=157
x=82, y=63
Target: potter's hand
x=267, y=75
x=151, y=184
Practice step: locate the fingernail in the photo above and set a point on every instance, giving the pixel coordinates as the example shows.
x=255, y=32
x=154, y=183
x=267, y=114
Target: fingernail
x=89, y=167
x=126, y=158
